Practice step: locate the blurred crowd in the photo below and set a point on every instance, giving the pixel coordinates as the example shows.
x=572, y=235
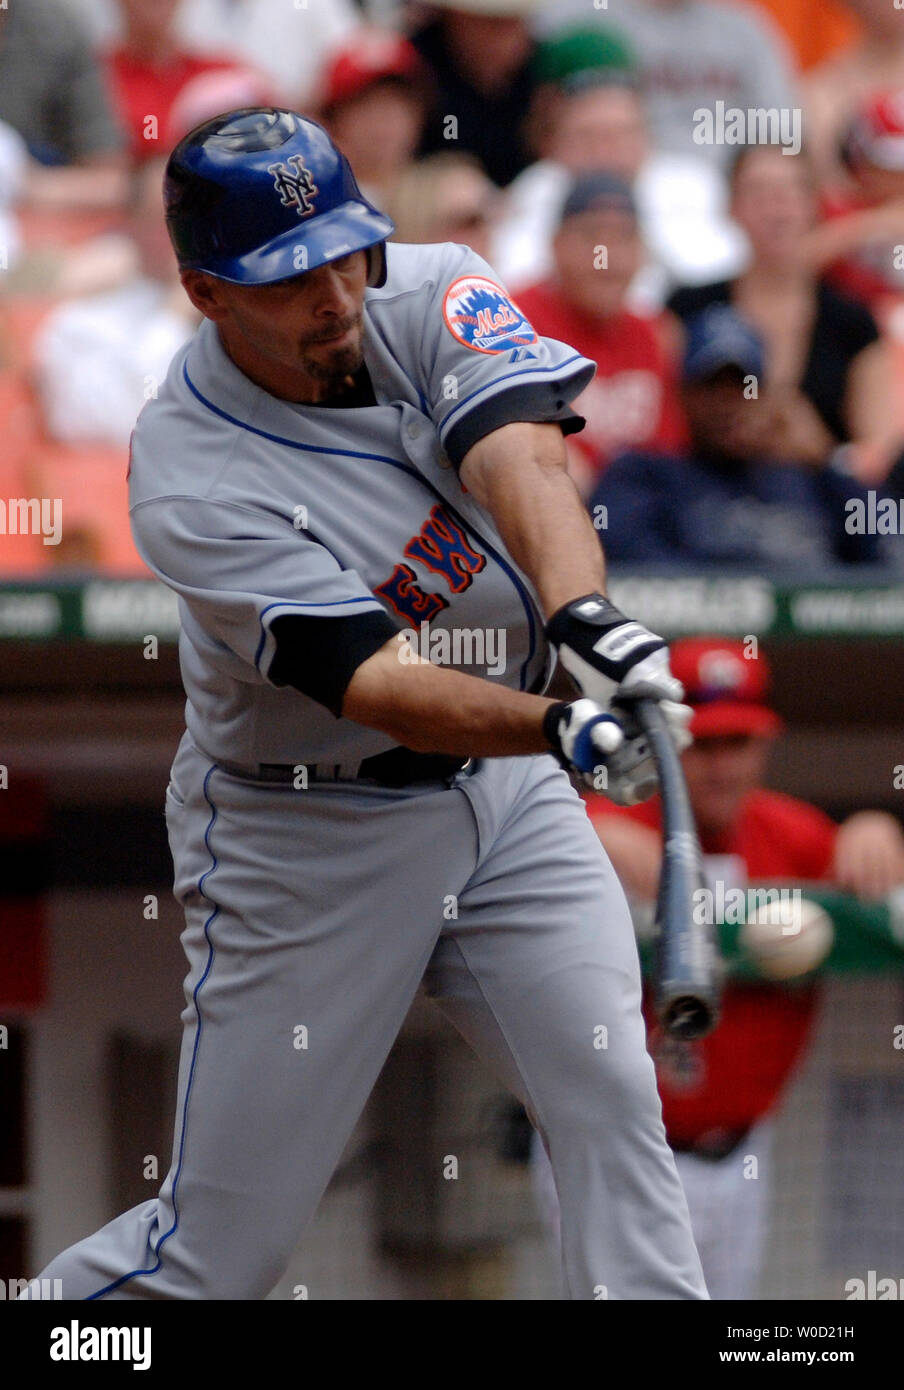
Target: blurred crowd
x=704, y=196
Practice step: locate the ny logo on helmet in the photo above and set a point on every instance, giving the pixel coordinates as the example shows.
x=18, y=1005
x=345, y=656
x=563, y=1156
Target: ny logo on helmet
x=295, y=186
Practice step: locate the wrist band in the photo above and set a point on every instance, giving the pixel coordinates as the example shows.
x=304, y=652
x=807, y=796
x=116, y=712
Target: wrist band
x=550, y=725
x=595, y=609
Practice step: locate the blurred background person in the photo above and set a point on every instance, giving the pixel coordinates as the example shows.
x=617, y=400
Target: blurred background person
x=97, y=358
x=52, y=91
x=831, y=373
x=375, y=99
x=14, y=164
x=835, y=90
x=77, y=254
x=287, y=42
x=859, y=245
x=730, y=497
x=632, y=402
x=690, y=55
x=51, y=86
x=207, y=93
x=720, y=1094
x=444, y=197
x=148, y=69
x=597, y=121
x=479, y=53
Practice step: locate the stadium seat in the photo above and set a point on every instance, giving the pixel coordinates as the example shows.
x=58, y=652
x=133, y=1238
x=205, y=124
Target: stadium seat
x=91, y=484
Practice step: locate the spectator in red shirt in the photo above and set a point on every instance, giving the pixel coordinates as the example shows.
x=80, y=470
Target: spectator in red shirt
x=632, y=401
x=148, y=72
x=719, y=1094
x=860, y=243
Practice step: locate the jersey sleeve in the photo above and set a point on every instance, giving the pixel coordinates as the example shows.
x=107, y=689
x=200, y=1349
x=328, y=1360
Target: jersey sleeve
x=244, y=574
x=485, y=365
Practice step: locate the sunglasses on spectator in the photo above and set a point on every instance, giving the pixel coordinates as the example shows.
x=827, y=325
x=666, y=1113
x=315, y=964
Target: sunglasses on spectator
x=477, y=218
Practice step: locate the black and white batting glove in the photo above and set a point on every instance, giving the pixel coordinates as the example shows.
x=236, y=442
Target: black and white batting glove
x=591, y=743
x=614, y=660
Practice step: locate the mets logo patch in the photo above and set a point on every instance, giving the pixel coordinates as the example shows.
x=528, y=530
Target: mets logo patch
x=481, y=316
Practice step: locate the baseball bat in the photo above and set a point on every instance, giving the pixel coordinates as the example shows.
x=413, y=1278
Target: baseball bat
x=686, y=975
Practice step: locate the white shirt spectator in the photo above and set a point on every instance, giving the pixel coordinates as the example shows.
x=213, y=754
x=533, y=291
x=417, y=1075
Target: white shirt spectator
x=97, y=360
x=286, y=42
x=691, y=54
x=13, y=171
x=682, y=215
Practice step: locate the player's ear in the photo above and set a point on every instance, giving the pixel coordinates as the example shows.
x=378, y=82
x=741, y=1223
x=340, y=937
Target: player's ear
x=205, y=292
x=376, y=265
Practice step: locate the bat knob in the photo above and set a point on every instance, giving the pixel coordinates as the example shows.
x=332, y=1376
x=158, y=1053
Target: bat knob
x=688, y=1017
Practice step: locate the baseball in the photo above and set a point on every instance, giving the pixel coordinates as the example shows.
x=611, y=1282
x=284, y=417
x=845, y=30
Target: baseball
x=788, y=938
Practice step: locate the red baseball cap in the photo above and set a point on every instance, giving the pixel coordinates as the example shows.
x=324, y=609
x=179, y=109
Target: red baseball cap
x=726, y=687
x=371, y=55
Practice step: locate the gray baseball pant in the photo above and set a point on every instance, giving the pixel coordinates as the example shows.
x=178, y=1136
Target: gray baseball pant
x=312, y=917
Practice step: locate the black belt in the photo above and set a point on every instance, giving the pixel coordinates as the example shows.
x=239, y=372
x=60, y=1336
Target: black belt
x=397, y=767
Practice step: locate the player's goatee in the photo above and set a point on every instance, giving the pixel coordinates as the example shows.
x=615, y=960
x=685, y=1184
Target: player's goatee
x=337, y=369
x=333, y=365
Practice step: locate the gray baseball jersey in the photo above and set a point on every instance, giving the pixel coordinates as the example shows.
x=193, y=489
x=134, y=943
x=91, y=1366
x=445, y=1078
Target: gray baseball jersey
x=252, y=507
x=320, y=911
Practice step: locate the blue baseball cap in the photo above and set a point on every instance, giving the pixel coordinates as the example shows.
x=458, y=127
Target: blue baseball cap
x=719, y=337
x=601, y=190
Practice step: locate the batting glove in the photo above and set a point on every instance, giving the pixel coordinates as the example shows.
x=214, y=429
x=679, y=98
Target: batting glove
x=614, y=660
x=590, y=743
x=582, y=736
x=611, y=757
x=610, y=656
x=632, y=769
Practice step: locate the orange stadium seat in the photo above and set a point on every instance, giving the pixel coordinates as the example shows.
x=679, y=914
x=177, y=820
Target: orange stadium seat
x=21, y=318
x=89, y=481
x=91, y=485
x=19, y=555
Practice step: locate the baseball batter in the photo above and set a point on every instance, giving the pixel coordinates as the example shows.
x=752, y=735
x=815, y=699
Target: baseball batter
x=361, y=451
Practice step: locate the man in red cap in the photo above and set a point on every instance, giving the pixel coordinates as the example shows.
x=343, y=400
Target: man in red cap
x=375, y=97
x=719, y=1094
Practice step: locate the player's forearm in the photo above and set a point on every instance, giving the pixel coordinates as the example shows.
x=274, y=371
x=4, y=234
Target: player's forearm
x=518, y=473
x=436, y=710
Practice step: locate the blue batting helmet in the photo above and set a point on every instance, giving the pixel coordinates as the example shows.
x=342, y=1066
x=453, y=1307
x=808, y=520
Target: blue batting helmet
x=262, y=194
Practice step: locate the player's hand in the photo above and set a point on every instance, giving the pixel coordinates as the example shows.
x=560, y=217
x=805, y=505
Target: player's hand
x=592, y=743
x=610, y=657
x=632, y=768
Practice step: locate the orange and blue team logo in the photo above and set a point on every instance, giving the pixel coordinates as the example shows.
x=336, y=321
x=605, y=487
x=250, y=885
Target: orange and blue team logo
x=482, y=317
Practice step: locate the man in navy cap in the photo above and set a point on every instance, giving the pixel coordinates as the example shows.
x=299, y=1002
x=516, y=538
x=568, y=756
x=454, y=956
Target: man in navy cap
x=727, y=499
